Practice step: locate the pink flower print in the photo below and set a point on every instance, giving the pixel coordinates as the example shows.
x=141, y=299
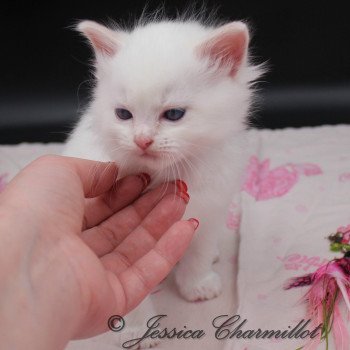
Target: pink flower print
x=307, y=169
x=276, y=240
x=302, y=262
x=261, y=296
x=344, y=177
x=233, y=217
x=264, y=183
x=2, y=181
x=301, y=208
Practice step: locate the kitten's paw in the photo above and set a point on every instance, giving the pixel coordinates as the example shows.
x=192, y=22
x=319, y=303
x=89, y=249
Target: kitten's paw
x=205, y=288
x=128, y=335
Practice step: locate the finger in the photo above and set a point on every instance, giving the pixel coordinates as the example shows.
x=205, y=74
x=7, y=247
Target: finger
x=124, y=192
x=96, y=177
x=64, y=178
x=168, y=211
x=140, y=278
x=103, y=238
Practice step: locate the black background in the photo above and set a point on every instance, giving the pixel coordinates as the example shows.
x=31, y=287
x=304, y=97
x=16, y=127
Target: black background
x=44, y=63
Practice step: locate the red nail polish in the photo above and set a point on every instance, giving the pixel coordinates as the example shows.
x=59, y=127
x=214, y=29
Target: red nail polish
x=146, y=179
x=194, y=222
x=181, y=186
x=184, y=195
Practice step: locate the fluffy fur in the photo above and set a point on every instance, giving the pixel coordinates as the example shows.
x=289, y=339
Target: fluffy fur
x=160, y=65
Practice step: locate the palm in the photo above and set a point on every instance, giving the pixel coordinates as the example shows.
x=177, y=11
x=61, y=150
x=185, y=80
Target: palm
x=121, y=252
x=123, y=240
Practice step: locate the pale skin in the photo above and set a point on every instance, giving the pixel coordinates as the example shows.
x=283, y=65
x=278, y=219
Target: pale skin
x=77, y=247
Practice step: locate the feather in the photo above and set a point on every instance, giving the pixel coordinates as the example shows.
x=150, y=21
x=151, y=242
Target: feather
x=340, y=332
x=343, y=292
x=328, y=285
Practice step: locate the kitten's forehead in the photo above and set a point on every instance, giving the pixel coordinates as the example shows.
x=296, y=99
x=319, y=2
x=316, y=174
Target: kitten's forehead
x=159, y=56
x=182, y=34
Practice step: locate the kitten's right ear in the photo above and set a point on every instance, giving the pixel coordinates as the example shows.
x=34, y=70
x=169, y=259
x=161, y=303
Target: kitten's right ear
x=103, y=40
x=228, y=46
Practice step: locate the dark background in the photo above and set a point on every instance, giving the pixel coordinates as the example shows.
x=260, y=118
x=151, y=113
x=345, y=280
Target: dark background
x=44, y=64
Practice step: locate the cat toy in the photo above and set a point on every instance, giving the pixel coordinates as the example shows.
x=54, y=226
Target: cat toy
x=329, y=284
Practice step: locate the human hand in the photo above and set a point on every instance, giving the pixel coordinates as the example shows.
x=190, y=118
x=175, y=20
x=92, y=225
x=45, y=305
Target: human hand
x=76, y=247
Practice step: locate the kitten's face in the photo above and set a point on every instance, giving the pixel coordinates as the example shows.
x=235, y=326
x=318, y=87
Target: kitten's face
x=162, y=96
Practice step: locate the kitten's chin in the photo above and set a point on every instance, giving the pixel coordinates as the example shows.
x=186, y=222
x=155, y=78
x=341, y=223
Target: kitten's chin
x=147, y=156
x=148, y=160
x=156, y=161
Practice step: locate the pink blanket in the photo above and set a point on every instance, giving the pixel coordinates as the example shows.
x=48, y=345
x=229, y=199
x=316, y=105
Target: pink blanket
x=296, y=192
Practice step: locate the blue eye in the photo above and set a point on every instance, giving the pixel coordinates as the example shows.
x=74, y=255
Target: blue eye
x=174, y=114
x=123, y=114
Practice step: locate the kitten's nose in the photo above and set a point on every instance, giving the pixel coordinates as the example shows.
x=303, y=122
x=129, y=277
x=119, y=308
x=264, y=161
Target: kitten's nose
x=143, y=142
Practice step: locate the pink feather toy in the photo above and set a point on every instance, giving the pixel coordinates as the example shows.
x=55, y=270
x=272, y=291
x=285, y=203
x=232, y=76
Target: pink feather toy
x=329, y=285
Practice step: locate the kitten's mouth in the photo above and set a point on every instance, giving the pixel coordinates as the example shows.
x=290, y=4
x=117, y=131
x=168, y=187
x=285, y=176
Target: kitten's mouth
x=148, y=155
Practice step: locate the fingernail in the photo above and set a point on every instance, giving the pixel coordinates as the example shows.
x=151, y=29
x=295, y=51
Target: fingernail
x=184, y=195
x=146, y=179
x=194, y=222
x=181, y=186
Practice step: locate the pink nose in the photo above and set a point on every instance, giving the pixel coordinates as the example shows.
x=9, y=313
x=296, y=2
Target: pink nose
x=143, y=142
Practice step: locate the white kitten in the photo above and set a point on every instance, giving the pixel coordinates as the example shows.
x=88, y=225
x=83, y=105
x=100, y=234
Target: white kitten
x=171, y=99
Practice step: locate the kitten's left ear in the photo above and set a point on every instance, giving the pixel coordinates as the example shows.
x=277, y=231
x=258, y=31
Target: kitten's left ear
x=227, y=47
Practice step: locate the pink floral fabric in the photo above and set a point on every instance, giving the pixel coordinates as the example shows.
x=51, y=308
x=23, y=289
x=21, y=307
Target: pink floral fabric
x=344, y=177
x=264, y=183
x=234, y=216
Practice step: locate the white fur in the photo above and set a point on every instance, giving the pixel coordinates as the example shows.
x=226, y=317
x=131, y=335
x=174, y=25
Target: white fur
x=155, y=67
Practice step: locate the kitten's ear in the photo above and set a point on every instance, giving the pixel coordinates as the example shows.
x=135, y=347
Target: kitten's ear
x=103, y=40
x=227, y=47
